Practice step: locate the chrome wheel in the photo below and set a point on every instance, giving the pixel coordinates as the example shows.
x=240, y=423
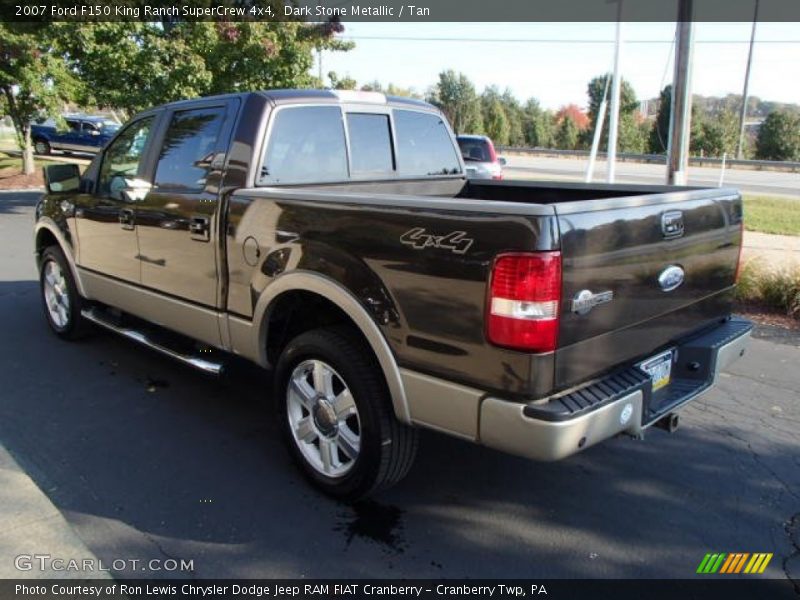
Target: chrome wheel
x=323, y=418
x=56, y=294
x=41, y=147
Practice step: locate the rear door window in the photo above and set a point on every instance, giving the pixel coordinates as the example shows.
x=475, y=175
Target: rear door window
x=424, y=145
x=370, y=143
x=188, y=149
x=306, y=145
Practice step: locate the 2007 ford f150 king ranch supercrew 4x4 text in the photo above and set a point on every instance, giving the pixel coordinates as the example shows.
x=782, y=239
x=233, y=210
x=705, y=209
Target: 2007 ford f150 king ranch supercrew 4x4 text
x=334, y=238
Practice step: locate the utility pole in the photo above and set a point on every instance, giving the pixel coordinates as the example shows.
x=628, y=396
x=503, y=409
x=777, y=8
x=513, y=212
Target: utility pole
x=616, y=85
x=681, y=113
x=743, y=113
x=319, y=58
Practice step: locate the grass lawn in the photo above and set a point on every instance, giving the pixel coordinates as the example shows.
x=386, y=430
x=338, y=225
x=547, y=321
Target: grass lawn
x=7, y=139
x=11, y=176
x=15, y=162
x=770, y=214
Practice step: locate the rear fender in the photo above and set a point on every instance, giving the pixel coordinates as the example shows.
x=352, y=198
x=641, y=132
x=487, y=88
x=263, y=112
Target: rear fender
x=332, y=290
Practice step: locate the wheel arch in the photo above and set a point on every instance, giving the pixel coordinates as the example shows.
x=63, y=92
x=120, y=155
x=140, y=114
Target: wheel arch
x=47, y=233
x=329, y=292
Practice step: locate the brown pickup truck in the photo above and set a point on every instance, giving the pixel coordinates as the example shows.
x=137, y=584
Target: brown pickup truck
x=334, y=238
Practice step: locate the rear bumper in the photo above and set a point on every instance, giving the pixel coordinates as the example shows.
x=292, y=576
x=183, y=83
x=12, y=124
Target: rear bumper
x=621, y=402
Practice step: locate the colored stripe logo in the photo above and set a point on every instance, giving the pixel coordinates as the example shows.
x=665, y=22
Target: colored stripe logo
x=734, y=562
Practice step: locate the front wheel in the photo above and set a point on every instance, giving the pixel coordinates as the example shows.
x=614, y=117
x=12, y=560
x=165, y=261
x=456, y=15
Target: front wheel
x=337, y=417
x=41, y=147
x=62, y=303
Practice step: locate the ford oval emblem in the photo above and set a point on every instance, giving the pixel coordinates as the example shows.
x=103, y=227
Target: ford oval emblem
x=671, y=278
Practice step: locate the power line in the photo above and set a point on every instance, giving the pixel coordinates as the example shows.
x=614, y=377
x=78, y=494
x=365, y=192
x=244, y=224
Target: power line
x=545, y=40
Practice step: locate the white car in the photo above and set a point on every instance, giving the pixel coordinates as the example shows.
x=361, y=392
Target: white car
x=480, y=158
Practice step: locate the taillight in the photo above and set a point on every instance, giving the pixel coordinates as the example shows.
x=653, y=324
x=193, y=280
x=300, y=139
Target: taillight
x=492, y=153
x=523, y=304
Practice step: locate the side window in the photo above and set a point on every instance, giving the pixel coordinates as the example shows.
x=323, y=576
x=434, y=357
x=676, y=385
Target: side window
x=188, y=149
x=306, y=144
x=121, y=160
x=424, y=145
x=73, y=126
x=370, y=143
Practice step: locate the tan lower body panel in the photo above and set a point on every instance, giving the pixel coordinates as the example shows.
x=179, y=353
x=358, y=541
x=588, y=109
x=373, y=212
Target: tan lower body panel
x=442, y=405
x=194, y=321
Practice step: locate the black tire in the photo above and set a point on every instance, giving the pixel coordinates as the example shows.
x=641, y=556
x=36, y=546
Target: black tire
x=41, y=147
x=74, y=326
x=387, y=447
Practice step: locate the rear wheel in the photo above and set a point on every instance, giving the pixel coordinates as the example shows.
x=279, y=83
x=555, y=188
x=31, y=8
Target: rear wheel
x=62, y=303
x=41, y=147
x=337, y=417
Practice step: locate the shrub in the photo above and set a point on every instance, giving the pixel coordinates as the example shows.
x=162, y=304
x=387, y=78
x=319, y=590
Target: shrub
x=776, y=289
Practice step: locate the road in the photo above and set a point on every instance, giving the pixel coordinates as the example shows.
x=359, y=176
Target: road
x=147, y=459
x=755, y=182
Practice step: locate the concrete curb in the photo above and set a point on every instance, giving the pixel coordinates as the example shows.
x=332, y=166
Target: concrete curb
x=30, y=524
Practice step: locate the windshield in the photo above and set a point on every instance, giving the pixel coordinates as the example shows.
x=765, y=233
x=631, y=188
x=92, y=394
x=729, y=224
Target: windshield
x=474, y=150
x=109, y=126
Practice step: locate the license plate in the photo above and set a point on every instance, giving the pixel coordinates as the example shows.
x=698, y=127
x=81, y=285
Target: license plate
x=659, y=368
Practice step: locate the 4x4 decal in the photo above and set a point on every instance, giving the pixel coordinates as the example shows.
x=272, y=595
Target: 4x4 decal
x=455, y=241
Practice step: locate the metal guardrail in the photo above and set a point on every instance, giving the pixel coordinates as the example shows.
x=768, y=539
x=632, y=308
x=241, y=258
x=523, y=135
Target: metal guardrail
x=661, y=159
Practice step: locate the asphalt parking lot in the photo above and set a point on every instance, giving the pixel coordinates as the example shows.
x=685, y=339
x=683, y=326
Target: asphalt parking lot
x=147, y=459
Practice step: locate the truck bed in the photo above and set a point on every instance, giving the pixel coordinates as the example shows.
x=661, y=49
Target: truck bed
x=610, y=238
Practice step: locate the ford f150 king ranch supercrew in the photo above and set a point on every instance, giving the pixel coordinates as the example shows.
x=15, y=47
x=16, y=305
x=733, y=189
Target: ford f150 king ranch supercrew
x=334, y=238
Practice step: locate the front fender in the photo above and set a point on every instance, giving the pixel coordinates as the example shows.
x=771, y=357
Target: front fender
x=47, y=224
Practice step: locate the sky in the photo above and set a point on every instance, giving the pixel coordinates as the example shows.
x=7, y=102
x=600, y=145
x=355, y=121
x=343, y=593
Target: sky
x=557, y=73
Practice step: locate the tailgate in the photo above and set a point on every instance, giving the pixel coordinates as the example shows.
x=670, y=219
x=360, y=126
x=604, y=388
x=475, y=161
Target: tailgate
x=641, y=272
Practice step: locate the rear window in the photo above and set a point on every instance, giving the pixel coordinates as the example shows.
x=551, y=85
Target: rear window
x=475, y=150
x=370, y=143
x=306, y=145
x=424, y=145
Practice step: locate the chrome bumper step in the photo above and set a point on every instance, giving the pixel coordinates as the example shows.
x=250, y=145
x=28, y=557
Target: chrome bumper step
x=98, y=317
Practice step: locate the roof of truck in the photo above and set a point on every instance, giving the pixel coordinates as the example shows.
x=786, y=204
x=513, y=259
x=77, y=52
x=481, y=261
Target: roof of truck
x=293, y=96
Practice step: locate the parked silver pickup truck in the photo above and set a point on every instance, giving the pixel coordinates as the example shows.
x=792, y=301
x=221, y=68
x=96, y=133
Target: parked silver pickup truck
x=334, y=238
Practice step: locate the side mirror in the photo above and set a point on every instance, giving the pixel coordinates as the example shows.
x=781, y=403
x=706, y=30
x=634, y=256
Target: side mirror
x=94, y=132
x=501, y=161
x=62, y=178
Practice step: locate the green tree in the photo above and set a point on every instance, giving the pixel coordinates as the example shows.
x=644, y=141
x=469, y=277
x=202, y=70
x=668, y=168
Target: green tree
x=719, y=134
x=496, y=123
x=396, y=90
x=779, y=137
x=537, y=125
x=629, y=134
x=130, y=66
x=658, y=136
x=390, y=90
x=456, y=97
x=34, y=81
x=567, y=134
x=495, y=120
x=342, y=83
x=513, y=110
x=658, y=139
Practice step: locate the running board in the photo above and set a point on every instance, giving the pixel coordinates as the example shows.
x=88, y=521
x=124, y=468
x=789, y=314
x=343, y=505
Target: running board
x=202, y=364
